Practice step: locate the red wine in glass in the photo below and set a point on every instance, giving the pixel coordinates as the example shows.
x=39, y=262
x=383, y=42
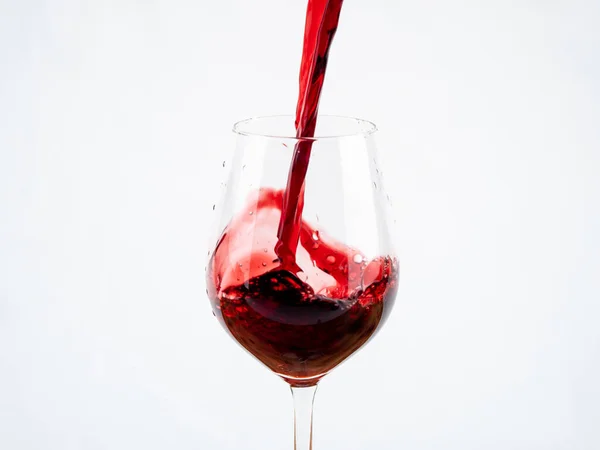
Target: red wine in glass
x=300, y=325
x=303, y=273
x=303, y=318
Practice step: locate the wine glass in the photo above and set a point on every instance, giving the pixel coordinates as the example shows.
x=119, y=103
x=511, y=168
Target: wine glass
x=303, y=319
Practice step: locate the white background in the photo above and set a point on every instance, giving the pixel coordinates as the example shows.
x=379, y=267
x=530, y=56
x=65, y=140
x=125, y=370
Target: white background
x=114, y=121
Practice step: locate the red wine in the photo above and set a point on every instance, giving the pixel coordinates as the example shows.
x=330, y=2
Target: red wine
x=301, y=325
x=322, y=17
x=298, y=300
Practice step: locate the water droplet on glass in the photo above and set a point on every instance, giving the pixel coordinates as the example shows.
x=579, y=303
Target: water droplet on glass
x=285, y=145
x=264, y=264
x=331, y=259
x=223, y=163
x=239, y=264
x=251, y=212
x=315, y=235
x=214, y=207
x=214, y=314
x=374, y=185
x=266, y=250
x=244, y=166
x=357, y=259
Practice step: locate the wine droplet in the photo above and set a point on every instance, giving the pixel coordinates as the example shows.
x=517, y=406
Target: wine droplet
x=315, y=235
x=264, y=264
x=358, y=259
x=331, y=259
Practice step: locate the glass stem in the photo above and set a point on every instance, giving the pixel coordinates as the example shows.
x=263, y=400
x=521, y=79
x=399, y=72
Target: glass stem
x=304, y=398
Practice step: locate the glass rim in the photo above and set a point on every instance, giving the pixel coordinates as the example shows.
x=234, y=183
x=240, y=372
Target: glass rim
x=368, y=129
